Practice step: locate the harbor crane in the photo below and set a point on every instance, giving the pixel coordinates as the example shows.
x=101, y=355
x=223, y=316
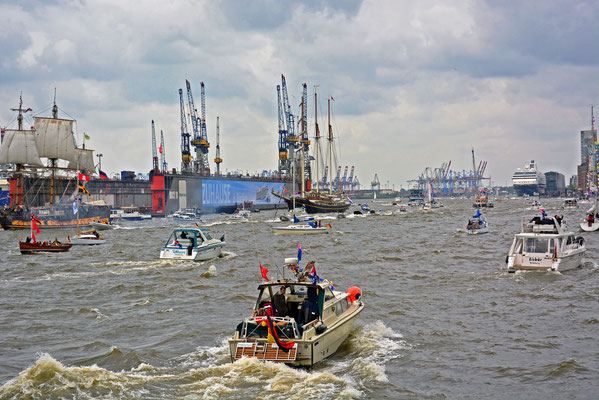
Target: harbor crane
x=155, y=168
x=185, y=153
x=375, y=184
x=199, y=141
x=291, y=138
x=162, y=152
x=217, y=160
x=283, y=154
x=305, y=141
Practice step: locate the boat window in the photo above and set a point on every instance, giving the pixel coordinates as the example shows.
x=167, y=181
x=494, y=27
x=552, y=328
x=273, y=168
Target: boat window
x=518, y=247
x=569, y=240
x=552, y=245
x=535, y=245
x=207, y=235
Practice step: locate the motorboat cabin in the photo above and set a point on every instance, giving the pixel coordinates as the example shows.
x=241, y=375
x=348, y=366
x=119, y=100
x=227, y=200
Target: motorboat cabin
x=545, y=243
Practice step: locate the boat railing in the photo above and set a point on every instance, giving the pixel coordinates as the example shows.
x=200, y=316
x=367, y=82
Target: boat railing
x=543, y=225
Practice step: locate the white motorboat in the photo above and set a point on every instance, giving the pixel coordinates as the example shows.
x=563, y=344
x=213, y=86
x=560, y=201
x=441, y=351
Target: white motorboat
x=187, y=214
x=591, y=222
x=296, y=229
x=87, y=238
x=127, y=214
x=545, y=244
x=301, y=325
x=103, y=226
x=570, y=204
x=477, y=225
x=192, y=244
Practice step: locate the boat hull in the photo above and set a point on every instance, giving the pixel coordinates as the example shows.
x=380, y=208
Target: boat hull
x=479, y=231
x=88, y=240
x=28, y=248
x=585, y=226
x=299, y=230
x=565, y=263
x=57, y=218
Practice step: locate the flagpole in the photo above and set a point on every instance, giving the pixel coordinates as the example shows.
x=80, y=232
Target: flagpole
x=31, y=233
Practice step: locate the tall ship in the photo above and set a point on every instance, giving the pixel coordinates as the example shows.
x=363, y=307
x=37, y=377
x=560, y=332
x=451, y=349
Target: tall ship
x=319, y=199
x=529, y=180
x=50, y=190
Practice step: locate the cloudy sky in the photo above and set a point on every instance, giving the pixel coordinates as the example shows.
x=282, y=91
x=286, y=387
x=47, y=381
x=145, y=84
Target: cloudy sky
x=415, y=83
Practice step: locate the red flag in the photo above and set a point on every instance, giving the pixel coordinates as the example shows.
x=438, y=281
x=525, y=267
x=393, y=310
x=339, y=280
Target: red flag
x=264, y=271
x=33, y=236
x=332, y=98
x=33, y=217
x=160, y=149
x=34, y=227
x=83, y=177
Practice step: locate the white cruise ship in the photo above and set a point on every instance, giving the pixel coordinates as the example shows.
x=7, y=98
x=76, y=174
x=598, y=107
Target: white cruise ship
x=529, y=180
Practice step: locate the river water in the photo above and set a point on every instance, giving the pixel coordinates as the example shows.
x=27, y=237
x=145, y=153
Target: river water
x=443, y=318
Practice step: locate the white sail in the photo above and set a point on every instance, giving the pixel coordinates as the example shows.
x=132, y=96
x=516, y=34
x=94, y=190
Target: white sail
x=54, y=138
x=19, y=147
x=84, y=160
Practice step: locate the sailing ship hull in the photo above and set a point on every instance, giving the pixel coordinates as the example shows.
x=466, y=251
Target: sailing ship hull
x=54, y=218
x=313, y=207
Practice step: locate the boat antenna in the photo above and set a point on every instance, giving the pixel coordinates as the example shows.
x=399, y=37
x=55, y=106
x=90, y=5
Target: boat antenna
x=55, y=107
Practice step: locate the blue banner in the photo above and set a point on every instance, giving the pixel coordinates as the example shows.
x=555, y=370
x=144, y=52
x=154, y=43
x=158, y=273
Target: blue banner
x=229, y=192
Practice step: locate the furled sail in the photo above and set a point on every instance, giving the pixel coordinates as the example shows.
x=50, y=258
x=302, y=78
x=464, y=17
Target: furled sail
x=84, y=160
x=54, y=138
x=19, y=147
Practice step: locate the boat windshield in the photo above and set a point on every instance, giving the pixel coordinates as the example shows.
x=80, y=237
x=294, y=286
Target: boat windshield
x=539, y=245
x=207, y=235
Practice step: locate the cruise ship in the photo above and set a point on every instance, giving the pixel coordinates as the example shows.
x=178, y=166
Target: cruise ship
x=529, y=180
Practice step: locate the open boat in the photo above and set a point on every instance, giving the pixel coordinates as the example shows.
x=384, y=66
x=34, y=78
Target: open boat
x=192, y=244
x=33, y=246
x=545, y=244
x=311, y=227
x=477, y=225
x=300, y=326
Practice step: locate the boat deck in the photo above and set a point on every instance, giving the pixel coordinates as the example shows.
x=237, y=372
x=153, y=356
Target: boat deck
x=265, y=351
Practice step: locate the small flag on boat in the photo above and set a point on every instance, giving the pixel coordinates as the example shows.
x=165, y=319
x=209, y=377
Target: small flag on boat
x=197, y=226
x=34, y=218
x=86, y=136
x=264, y=271
x=350, y=201
x=83, y=177
x=103, y=175
x=29, y=109
x=69, y=239
x=160, y=149
x=75, y=207
x=84, y=190
x=313, y=276
x=329, y=226
x=34, y=227
x=299, y=252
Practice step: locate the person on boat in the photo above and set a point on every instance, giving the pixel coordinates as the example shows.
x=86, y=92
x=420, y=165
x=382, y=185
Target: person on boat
x=96, y=234
x=28, y=240
x=280, y=303
x=56, y=242
x=591, y=219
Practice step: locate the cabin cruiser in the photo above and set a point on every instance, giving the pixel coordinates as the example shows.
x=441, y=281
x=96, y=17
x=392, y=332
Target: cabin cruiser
x=482, y=202
x=570, y=204
x=127, y=214
x=297, y=322
x=310, y=227
x=187, y=214
x=477, y=225
x=545, y=243
x=192, y=244
x=87, y=238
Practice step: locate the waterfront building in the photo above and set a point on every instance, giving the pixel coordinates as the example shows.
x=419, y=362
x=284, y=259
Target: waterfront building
x=555, y=183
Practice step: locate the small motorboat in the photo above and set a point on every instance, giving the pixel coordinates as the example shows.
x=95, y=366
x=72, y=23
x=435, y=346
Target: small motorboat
x=545, y=244
x=570, y=204
x=89, y=238
x=103, y=226
x=299, y=229
x=192, y=244
x=187, y=214
x=38, y=247
x=477, y=225
x=297, y=322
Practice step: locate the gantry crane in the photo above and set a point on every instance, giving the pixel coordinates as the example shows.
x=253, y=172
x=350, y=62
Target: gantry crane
x=291, y=138
x=155, y=168
x=162, y=153
x=185, y=153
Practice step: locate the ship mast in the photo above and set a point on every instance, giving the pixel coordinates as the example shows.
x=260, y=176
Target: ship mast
x=316, y=139
x=53, y=160
x=330, y=149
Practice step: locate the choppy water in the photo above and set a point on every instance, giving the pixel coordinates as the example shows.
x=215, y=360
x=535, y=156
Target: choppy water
x=443, y=318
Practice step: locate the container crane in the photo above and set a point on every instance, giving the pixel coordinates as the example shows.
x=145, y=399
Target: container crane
x=344, y=179
x=155, y=168
x=375, y=184
x=185, y=153
x=350, y=180
x=162, y=153
x=305, y=142
x=218, y=160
